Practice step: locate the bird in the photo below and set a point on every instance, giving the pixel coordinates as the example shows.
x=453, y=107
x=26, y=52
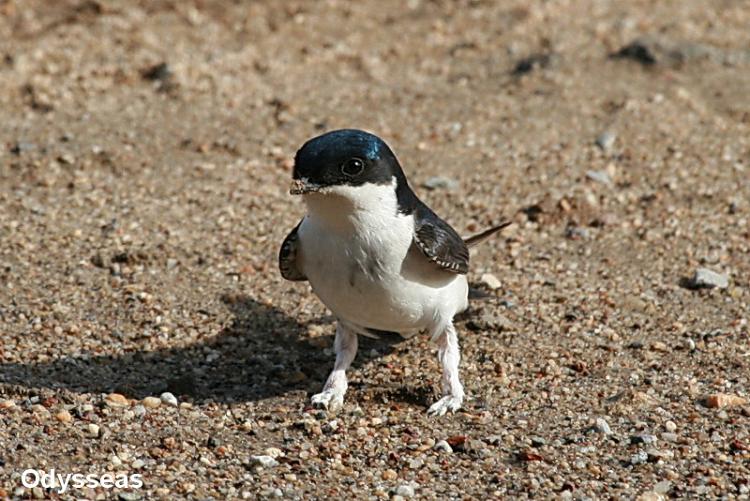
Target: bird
x=376, y=256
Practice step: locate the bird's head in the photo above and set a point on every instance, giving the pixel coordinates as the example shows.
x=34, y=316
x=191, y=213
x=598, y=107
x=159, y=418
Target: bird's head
x=338, y=162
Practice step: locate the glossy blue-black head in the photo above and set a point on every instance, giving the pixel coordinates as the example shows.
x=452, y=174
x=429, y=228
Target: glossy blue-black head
x=346, y=157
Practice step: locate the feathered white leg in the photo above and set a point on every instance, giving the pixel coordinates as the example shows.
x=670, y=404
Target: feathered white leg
x=332, y=396
x=449, y=357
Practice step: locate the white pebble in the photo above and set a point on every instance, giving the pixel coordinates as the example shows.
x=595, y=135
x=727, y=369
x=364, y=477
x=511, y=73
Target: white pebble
x=605, y=140
x=440, y=182
x=599, y=176
x=708, y=279
x=405, y=490
x=264, y=461
x=602, y=426
x=331, y=426
x=491, y=281
x=169, y=399
x=443, y=446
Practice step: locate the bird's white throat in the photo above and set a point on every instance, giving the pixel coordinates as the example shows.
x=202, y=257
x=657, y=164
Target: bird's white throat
x=345, y=208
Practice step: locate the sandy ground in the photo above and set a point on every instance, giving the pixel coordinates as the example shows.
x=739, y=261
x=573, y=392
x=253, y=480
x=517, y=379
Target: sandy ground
x=145, y=153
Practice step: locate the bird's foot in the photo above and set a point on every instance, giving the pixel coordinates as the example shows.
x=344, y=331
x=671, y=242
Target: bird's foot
x=445, y=404
x=331, y=400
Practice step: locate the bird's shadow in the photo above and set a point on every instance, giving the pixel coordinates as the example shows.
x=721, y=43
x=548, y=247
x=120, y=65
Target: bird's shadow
x=261, y=354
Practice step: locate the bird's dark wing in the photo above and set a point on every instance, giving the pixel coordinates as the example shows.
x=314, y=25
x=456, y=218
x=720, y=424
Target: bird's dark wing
x=288, y=257
x=439, y=242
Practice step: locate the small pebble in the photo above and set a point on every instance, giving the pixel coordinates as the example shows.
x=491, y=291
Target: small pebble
x=440, y=183
x=137, y=464
x=720, y=400
x=640, y=457
x=39, y=409
x=405, y=490
x=64, y=416
x=708, y=279
x=390, y=474
x=169, y=399
x=602, y=426
x=263, y=461
x=670, y=426
x=494, y=439
x=538, y=442
x=331, y=426
x=443, y=446
x=599, y=176
x=159, y=71
x=643, y=439
x=67, y=159
x=491, y=281
x=151, y=402
x=670, y=437
x=116, y=400
x=273, y=452
x=650, y=496
x=606, y=140
x=663, y=487
x=574, y=232
x=659, y=346
x=93, y=429
x=656, y=455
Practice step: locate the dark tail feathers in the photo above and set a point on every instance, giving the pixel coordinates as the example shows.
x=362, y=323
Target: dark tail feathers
x=481, y=237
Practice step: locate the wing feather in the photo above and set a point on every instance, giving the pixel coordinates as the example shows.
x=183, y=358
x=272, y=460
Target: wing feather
x=439, y=242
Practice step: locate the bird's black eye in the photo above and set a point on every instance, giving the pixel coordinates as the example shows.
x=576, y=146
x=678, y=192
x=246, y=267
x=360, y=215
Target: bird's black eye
x=353, y=166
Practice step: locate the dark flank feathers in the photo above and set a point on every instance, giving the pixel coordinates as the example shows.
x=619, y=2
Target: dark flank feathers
x=288, y=257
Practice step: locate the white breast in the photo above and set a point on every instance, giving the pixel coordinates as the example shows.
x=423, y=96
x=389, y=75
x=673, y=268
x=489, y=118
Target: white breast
x=357, y=253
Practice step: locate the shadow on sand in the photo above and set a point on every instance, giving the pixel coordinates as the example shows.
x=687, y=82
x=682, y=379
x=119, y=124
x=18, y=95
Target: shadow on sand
x=258, y=356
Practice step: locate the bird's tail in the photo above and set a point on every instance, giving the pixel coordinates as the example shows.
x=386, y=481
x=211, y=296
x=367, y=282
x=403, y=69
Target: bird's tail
x=481, y=237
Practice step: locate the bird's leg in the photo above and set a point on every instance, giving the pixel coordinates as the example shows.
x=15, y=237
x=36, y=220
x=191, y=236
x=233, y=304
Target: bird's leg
x=332, y=396
x=449, y=357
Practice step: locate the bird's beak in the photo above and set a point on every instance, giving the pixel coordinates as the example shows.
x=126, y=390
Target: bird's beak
x=302, y=186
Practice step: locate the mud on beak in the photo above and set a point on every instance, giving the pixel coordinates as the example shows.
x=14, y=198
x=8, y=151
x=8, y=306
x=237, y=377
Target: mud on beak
x=302, y=186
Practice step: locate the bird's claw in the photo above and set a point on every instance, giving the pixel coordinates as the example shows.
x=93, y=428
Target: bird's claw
x=445, y=404
x=329, y=400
